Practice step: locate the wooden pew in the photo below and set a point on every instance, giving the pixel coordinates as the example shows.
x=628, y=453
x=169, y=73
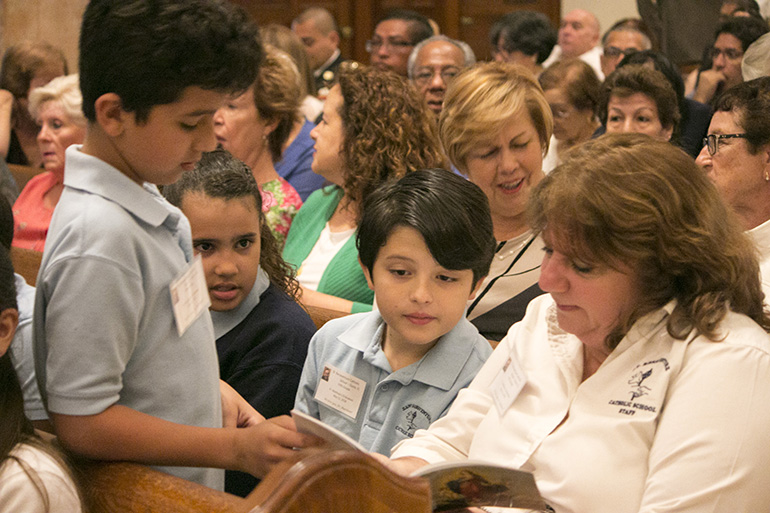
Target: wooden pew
x=314, y=481
x=321, y=315
x=26, y=262
x=23, y=174
x=324, y=481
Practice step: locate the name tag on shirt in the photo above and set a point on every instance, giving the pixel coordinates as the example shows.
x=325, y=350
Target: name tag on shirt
x=340, y=391
x=189, y=295
x=507, y=385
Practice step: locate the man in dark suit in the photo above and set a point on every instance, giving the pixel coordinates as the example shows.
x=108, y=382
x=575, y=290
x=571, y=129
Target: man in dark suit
x=318, y=31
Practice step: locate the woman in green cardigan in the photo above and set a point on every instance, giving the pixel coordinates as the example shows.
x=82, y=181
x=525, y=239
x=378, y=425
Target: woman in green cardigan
x=375, y=128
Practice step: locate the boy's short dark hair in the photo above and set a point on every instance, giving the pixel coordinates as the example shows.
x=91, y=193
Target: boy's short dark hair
x=451, y=214
x=149, y=51
x=419, y=26
x=6, y=223
x=7, y=281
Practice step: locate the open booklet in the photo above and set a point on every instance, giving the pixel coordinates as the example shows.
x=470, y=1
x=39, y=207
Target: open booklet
x=335, y=438
x=453, y=485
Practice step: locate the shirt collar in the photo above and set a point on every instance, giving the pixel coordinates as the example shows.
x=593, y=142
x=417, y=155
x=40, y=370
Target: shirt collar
x=761, y=236
x=226, y=321
x=93, y=175
x=329, y=61
x=438, y=368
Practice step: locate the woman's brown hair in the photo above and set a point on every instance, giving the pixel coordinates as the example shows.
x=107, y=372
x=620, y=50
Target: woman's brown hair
x=625, y=200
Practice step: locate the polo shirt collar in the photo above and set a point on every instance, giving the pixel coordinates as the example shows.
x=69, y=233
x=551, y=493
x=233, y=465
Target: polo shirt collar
x=93, y=175
x=226, y=321
x=438, y=368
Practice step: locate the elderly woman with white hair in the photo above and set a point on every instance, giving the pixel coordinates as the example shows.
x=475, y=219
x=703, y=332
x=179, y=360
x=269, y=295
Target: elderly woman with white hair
x=57, y=109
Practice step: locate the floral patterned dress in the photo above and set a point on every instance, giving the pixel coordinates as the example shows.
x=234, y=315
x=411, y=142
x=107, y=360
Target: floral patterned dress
x=280, y=203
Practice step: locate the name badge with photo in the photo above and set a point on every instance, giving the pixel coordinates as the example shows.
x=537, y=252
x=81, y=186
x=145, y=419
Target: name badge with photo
x=507, y=385
x=340, y=391
x=189, y=295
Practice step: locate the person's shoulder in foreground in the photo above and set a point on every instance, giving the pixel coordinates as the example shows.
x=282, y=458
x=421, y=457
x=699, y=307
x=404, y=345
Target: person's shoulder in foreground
x=152, y=74
x=425, y=243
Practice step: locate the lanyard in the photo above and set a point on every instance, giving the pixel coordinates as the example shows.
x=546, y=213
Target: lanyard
x=492, y=282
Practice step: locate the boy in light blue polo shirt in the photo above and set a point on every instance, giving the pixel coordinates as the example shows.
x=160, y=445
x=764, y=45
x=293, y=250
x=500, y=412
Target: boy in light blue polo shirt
x=124, y=375
x=425, y=244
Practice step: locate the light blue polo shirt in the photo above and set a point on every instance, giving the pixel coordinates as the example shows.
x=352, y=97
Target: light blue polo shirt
x=104, y=329
x=22, y=353
x=395, y=404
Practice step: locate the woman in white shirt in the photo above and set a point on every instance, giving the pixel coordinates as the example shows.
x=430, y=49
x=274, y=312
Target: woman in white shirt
x=645, y=369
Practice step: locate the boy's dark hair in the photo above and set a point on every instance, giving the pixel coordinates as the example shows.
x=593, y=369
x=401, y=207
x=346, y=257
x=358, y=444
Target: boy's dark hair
x=148, y=51
x=746, y=30
x=220, y=175
x=529, y=32
x=6, y=223
x=7, y=281
x=419, y=27
x=451, y=214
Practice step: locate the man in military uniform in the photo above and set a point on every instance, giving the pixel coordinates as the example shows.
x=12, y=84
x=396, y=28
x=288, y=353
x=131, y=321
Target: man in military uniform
x=318, y=31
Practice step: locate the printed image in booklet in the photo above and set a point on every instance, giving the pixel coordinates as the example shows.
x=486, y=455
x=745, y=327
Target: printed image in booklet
x=476, y=484
x=334, y=438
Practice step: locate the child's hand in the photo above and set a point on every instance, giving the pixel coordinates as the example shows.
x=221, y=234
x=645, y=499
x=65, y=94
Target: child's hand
x=261, y=447
x=236, y=411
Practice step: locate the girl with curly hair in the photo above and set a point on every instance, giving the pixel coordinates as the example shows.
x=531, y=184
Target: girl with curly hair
x=375, y=128
x=262, y=333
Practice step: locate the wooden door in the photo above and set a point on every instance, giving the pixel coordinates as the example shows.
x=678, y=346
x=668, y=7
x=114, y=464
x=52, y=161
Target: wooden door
x=467, y=20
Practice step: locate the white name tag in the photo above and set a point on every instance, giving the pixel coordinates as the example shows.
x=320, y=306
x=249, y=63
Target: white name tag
x=507, y=385
x=189, y=295
x=340, y=391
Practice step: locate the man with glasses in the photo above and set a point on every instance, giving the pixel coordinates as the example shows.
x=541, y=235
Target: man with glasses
x=620, y=40
x=433, y=64
x=394, y=38
x=733, y=37
x=736, y=155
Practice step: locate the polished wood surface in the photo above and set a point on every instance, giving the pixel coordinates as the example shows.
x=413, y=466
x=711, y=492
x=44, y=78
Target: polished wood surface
x=314, y=481
x=119, y=487
x=323, y=481
x=321, y=315
x=26, y=262
x=22, y=174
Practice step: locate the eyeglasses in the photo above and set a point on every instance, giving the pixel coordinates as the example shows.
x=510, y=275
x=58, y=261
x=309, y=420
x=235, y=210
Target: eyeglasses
x=712, y=141
x=425, y=76
x=729, y=53
x=614, y=51
x=395, y=45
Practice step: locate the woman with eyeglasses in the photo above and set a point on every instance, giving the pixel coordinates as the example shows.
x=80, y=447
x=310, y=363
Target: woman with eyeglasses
x=639, y=383
x=573, y=90
x=736, y=156
x=495, y=127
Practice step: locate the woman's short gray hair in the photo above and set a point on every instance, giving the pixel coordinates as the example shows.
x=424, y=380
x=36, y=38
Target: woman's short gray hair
x=66, y=91
x=468, y=56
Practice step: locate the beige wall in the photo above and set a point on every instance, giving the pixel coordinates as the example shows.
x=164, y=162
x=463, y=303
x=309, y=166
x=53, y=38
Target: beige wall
x=58, y=21
x=54, y=21
x=608, y=11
